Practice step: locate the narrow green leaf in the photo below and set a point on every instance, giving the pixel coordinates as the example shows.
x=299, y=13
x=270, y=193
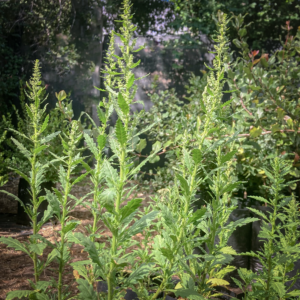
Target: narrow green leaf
x=227, y=103
x=130, y=207
x=123, y=104
x=197, y=215
x=130, y=81
x=230, y=187
x=99, y=89
x=123, y=39
x=135, y=65
x=69, y=227
x=49, y=137
x=29, y=112
x=139, y=225
x=228, y=156
x=210, y=91
x=20, y=134
x=45, y=124
x=202, y=105
x=121, y=133
x=139, y=49
x=184, y=185
x=23, y=150
x=39, y=149
x=80, y=178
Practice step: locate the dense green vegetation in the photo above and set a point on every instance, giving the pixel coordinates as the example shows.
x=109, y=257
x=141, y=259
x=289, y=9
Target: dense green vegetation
x=218, y=149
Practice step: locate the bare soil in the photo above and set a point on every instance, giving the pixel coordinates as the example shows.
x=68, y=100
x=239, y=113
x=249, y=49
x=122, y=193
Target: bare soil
x=16, y=268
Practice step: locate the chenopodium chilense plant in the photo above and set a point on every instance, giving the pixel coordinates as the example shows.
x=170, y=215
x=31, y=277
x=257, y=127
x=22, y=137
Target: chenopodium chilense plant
x=173, y=248
x=37, y=143
x=280, y=250
x=108, y=262
x=62, y=202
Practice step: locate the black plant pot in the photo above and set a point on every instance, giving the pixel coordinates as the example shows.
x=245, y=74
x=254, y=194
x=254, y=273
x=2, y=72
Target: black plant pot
x=25, y=197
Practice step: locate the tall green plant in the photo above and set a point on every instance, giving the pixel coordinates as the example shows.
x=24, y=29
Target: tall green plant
x=119, y=83
x=280, y=250
x=32, y=151
x=60, y=201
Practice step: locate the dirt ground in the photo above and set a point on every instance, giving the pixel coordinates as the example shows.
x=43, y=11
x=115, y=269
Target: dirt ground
x=16, y=267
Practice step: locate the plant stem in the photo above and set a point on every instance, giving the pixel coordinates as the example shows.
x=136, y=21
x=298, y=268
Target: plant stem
x=34, y=195
x=62, y=240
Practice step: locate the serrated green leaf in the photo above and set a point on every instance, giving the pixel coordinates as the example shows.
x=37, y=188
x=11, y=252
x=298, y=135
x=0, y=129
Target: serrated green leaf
x=130, y=207
x=42, y=285
x=20, y=134
x=42, y=297
x=37, y=248
x=80, y=178
x=29, y=112
x=101, y=115
x=45, y=124
x=121, y=133
x=89, y=246
x=18, y=294
x=86, y=290
x=168, y=253
x=91, y=145
x=230, y=187
x=139, y=225
x=101, y=139
x=69, y=227
x=53, y=202
x=184, y=185
x=49, y=137
x=130, y=81
x=123, y=104
x=13, y=243
x=140, y=273
x=196, y=155
x=22, y=149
